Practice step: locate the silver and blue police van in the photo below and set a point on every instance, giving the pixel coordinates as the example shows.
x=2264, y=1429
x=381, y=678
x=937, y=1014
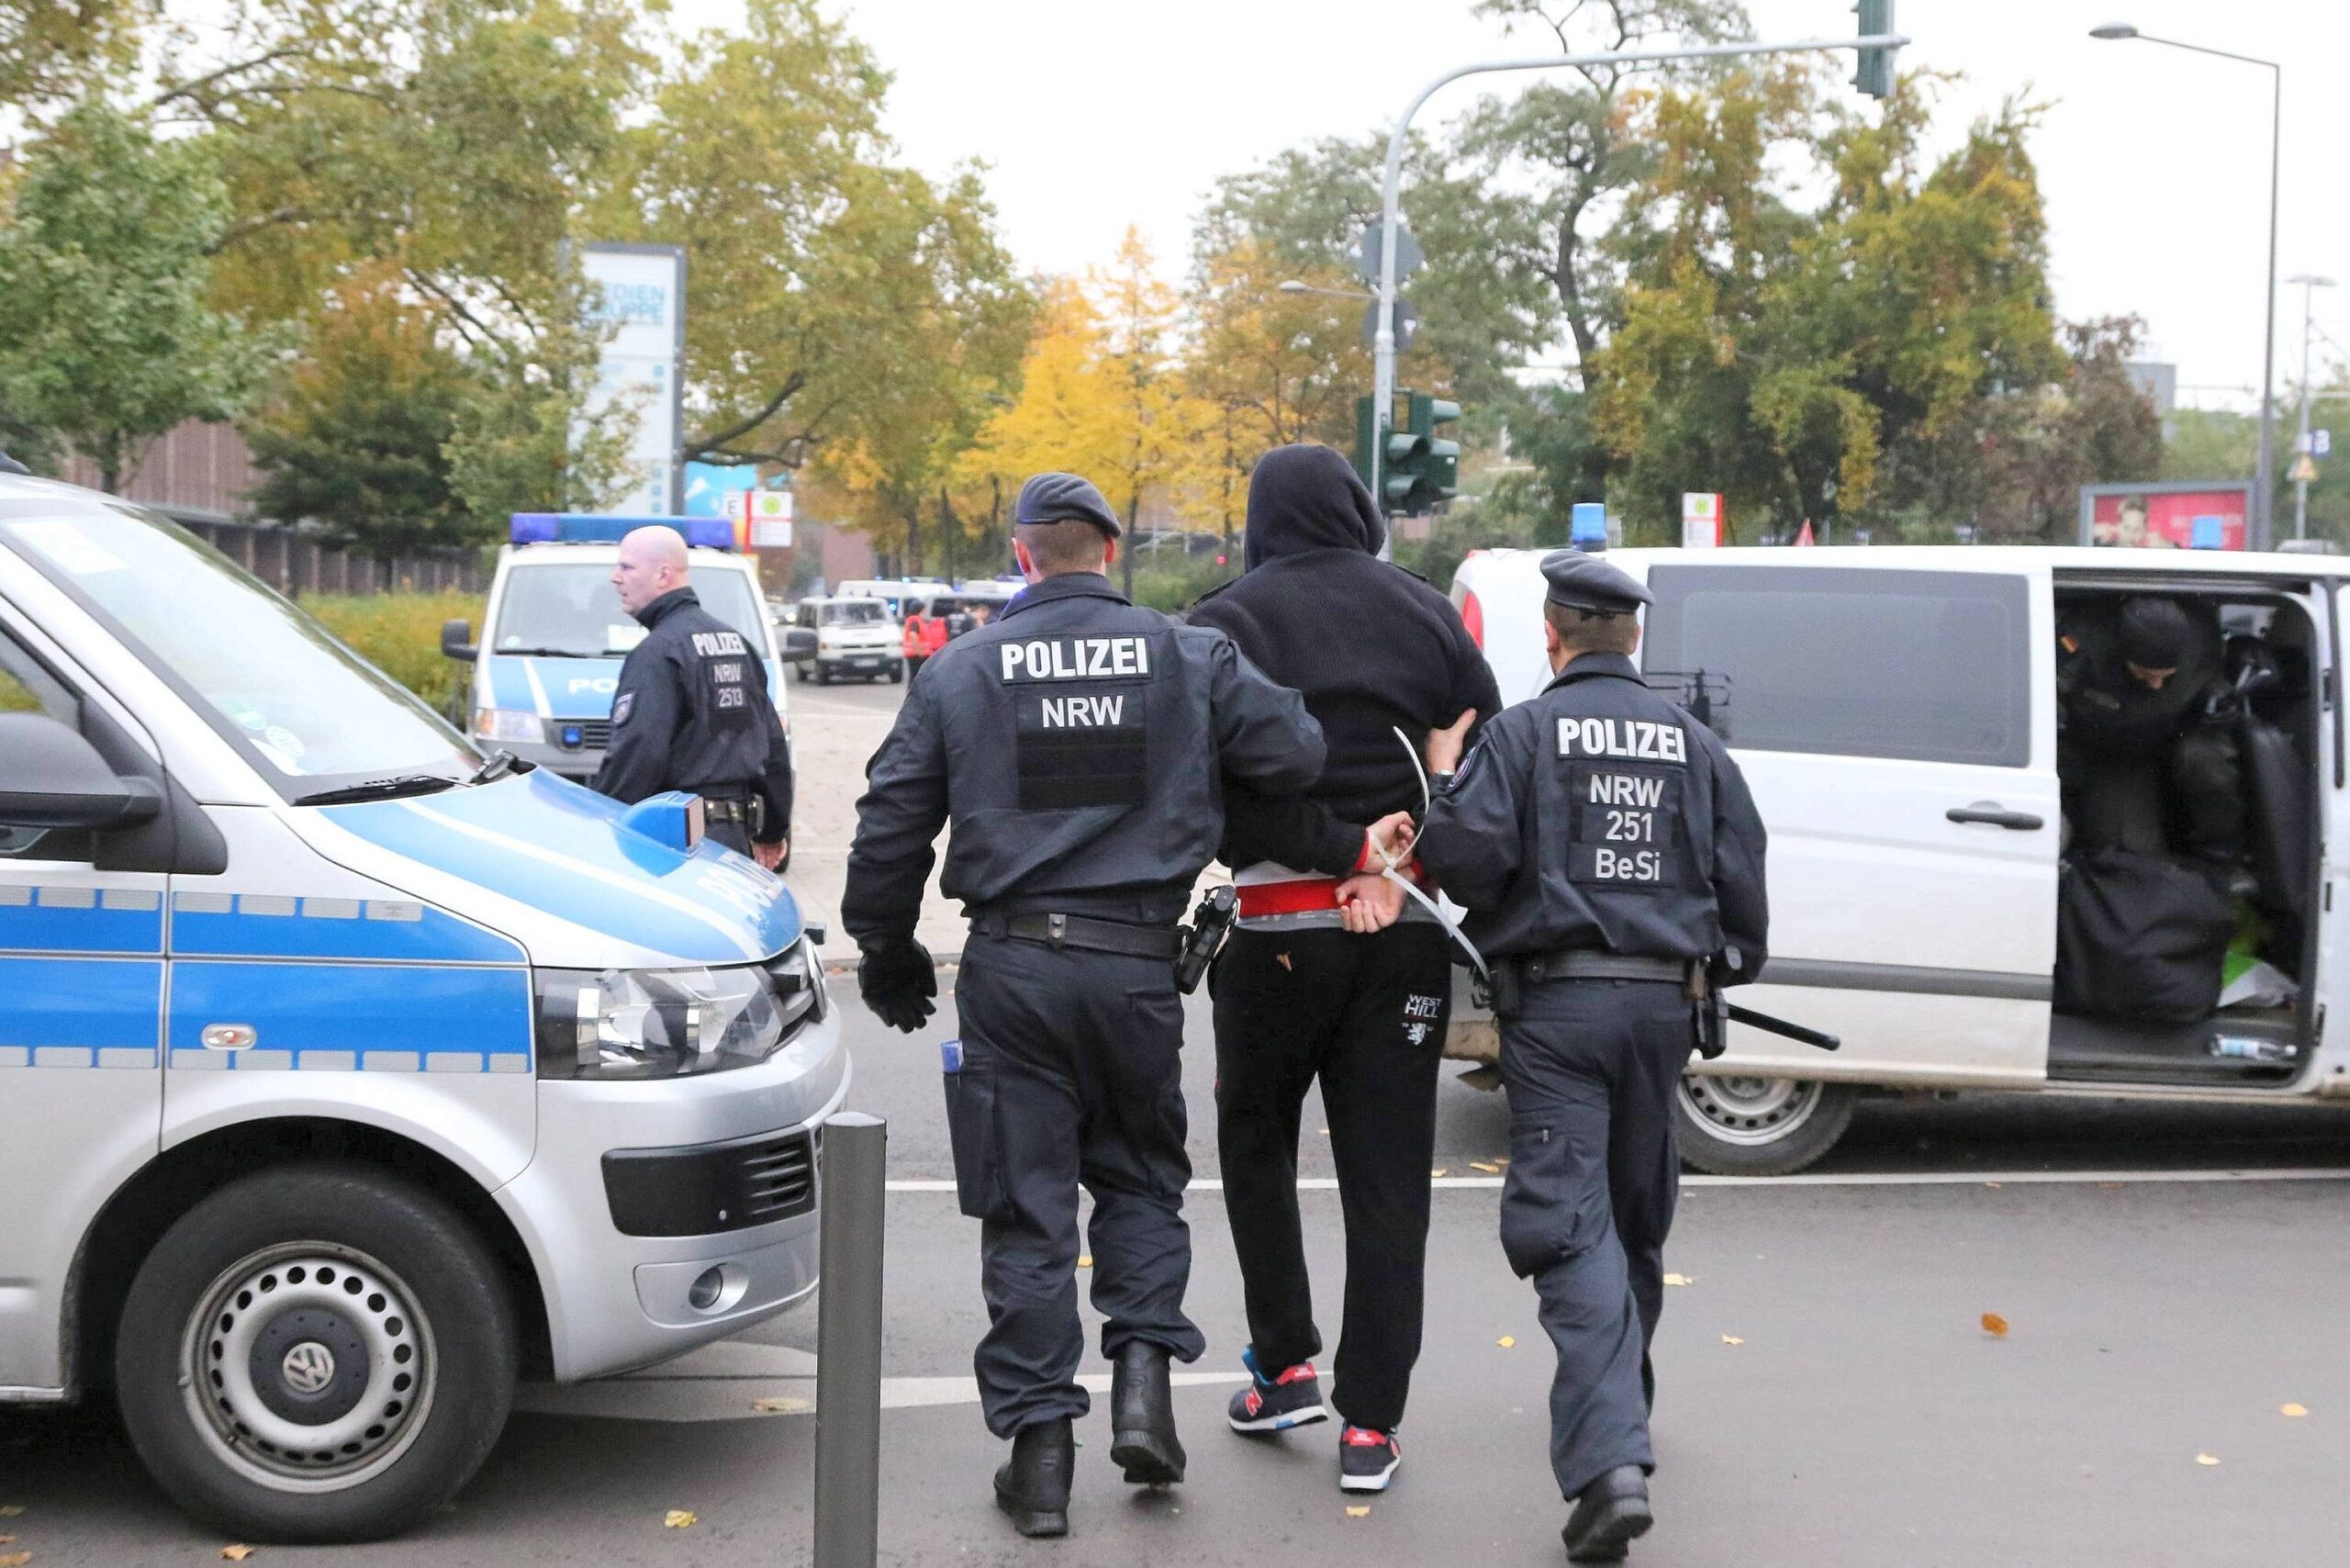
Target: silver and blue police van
x=349, y=1070
x=553, y=633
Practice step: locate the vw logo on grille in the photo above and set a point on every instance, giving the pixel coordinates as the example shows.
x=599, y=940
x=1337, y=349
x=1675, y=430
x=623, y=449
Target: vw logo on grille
x=308, y=1367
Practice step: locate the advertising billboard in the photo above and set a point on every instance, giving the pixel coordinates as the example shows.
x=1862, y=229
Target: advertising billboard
x=2197, y=516
x=642, y=292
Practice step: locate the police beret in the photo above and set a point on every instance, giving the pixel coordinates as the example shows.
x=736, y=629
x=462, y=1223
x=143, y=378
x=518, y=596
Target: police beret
x=1059, y=498
x=1580, y=581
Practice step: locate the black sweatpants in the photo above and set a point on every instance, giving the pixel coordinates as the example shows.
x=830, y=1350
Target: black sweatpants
x=1366, y=1015
x=1591, y=1068
x=1073, y=1073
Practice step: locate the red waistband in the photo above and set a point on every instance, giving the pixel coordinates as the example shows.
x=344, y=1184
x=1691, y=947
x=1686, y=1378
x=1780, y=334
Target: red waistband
x=1305, y=895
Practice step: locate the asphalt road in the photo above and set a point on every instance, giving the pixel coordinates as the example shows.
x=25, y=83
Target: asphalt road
x=1829, y=1393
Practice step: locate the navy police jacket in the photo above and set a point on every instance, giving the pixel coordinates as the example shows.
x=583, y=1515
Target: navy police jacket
x=1079, y=747
x=692, y=711
x=1601, y=817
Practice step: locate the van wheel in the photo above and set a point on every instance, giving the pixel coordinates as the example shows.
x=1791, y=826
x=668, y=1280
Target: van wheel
x=898, y=672
x=321, y=1353
x=823, y=675
x=1744, y=1126
x=801, y=670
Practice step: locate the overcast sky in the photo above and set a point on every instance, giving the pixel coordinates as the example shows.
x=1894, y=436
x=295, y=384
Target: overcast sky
x=1092, y=113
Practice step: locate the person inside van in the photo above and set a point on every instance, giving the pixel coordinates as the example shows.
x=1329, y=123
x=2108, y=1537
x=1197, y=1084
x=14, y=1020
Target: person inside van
x=2147, y=747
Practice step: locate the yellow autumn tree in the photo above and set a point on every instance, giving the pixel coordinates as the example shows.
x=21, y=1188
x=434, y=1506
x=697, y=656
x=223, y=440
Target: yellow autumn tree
x=1103, y=394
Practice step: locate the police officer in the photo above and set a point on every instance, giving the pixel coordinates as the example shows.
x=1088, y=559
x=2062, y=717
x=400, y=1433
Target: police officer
x=1077, y=745
x=1611, y=859
x=2146, y=733
x=692, y=710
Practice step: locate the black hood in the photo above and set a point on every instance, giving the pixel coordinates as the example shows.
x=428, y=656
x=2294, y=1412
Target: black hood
x=1308, y=497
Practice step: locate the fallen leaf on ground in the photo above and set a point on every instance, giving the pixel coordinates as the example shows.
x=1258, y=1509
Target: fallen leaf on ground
x=10, y=1510
x=1440, y=1171
x=236, y=1553
x=1994, y=1183
x=1507, y=1341
x=1732, y=1340
x=1488, y=1169
x=2289, y=1409
x=1994, y=1326
x=783, y=1405
x=1361, y=1510
x=2207, y=1458
x=14, y=1559
x=1679, y=1280
x=680, y=1519
x=2115, y=1187
x=1282, y=958
x=1085, y=1261
x=1326, y=1132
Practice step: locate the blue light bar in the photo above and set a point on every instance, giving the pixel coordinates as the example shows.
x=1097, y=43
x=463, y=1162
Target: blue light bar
x=578, y=527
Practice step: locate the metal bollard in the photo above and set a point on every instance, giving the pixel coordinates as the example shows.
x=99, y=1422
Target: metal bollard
x=848, y=1342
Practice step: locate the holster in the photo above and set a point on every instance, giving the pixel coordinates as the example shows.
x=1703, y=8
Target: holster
x=1507, y=999
x=1709, y=1013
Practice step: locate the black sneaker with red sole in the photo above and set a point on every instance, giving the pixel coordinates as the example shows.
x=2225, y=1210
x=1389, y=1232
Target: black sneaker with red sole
x=1292, y=1399
x=1367, y=1458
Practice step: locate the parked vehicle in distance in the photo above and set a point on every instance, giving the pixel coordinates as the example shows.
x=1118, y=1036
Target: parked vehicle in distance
x=855, y=636
x=553, y=633
x=1894, y=711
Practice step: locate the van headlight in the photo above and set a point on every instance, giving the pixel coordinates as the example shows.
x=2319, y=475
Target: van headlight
x=626, y=1026
x=507, y=724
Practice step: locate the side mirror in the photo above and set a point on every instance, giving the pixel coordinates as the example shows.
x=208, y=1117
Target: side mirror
x=798, y=644
x=55, y=779
x=457, y=641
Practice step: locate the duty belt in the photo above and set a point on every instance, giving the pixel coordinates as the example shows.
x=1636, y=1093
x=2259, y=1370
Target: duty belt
x=726, y=811
x=1056, y=931
x=1582, y=963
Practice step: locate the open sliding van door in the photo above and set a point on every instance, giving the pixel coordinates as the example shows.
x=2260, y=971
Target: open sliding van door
x=1897, y=724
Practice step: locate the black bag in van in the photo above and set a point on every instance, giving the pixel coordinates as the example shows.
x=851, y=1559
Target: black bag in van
x=2276, y=778
x=2139, y=938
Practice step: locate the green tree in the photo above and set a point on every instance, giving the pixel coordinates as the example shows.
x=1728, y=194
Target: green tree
x=105, y=338
x=56, y=48
x=357, y=435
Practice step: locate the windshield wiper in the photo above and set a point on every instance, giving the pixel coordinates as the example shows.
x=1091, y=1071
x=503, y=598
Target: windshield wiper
x=546, y=653
x=379, y=789
x=501, y=763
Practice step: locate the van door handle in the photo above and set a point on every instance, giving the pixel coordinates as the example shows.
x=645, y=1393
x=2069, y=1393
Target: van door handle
x=1996, y=816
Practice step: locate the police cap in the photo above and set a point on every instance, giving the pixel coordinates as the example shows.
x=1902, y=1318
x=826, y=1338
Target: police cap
x=1061, y=498
x=1578, y=581
x=2154, y=632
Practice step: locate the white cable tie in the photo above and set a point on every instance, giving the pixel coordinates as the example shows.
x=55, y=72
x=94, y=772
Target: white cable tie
x=1401, y=880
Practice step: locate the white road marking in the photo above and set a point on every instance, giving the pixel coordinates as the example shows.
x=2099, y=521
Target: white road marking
x=1855, y=1179
x=727, y=1381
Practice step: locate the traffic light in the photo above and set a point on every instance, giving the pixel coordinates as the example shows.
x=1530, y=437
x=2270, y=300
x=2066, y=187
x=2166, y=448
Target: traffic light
x=1421, y=468
x=1875, y=73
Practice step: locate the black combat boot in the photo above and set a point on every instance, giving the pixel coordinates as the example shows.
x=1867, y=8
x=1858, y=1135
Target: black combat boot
x=1033, y=1485
x=1612, y=1513
x=1142, y=1418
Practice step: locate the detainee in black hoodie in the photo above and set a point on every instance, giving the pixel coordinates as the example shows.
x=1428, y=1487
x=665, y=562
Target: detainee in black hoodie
x=1298, y=996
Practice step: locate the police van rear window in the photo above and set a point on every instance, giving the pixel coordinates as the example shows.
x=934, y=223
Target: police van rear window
x=1930, y=667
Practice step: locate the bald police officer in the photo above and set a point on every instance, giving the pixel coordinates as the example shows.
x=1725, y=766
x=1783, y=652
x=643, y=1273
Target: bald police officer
x=692, y=711
x=1079, y=747
x=1606, y=846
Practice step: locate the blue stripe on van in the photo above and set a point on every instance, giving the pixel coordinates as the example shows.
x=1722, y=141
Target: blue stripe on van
x=543, y=841
x=64, y=1012
x=264, y=925
x=61, y=918
x=355, y=1016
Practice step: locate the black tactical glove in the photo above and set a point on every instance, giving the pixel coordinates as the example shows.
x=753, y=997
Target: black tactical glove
x=898, y=980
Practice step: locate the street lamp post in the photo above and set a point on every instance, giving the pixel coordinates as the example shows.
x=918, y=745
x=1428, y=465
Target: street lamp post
x=2309, y=283
x=2264, y=482
x=1383, y=346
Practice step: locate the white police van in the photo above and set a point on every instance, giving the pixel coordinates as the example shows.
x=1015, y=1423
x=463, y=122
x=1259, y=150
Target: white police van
x=346, y=1076
x=1894, y=712
x=553, y=633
